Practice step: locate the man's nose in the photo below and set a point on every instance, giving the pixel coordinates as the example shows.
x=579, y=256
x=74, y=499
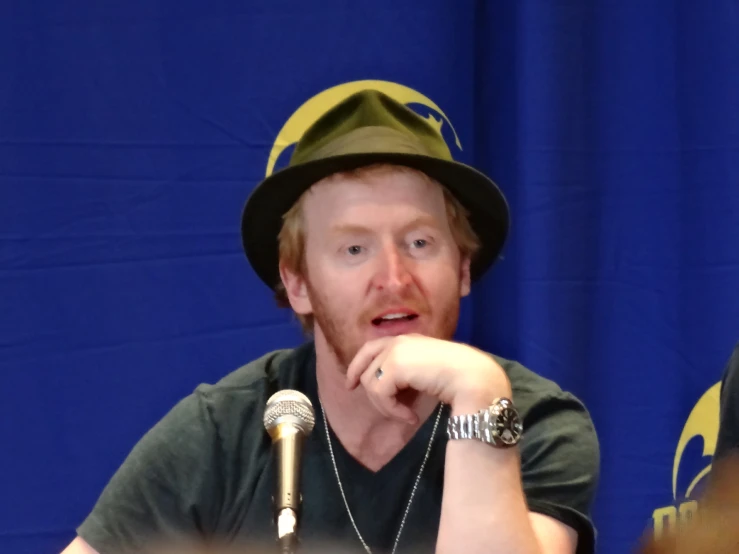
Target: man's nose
x=394, y=272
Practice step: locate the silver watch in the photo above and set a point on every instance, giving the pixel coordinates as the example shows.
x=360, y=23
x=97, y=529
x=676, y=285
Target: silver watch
x=498, y=425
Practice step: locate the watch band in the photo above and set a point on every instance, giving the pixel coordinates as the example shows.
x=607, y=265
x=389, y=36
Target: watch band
x=497, y=425
x=465, y=426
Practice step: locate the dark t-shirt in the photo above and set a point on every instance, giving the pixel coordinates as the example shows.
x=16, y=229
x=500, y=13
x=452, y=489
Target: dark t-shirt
x=728, y=434
x=206, y=470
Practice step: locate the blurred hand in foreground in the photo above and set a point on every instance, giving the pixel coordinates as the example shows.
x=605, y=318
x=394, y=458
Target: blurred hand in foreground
x=714, y=527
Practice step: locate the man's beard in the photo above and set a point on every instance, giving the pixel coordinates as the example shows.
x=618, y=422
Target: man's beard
x=335, y=326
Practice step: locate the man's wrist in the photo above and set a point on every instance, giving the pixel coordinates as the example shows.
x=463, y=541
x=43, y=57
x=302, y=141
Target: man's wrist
x=496, y=423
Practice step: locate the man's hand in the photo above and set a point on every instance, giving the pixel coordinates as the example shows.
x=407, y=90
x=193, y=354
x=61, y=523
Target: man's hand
x=457, y=374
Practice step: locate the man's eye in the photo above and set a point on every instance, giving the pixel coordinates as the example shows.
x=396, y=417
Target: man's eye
x=354, y=250
x=419, y=243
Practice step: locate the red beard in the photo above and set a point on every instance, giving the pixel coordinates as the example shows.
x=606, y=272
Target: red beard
x=338, y=329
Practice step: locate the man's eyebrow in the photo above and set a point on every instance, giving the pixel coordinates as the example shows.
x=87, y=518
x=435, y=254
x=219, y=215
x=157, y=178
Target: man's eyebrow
x=349, y=229
x=420, y=221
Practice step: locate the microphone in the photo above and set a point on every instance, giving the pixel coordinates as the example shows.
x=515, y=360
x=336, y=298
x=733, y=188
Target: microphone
x=288, y=419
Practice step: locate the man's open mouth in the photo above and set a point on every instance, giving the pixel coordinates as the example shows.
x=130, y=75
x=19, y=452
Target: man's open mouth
x=393, y=318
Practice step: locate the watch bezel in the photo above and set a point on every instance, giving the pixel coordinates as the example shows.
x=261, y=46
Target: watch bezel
x=500, y=424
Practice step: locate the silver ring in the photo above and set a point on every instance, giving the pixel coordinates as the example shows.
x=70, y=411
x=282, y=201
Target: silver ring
x=379, y=373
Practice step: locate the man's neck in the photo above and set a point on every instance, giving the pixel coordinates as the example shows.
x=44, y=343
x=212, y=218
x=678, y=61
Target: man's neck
x=366, y=434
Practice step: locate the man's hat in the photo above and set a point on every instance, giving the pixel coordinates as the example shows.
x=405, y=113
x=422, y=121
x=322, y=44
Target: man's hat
x=367, y=128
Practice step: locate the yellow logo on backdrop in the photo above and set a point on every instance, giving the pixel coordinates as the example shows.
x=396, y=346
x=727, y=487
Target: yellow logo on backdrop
x=313, y=108
x=702, y=422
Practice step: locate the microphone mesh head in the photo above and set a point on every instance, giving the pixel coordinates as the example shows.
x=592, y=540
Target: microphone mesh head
x=292, y=406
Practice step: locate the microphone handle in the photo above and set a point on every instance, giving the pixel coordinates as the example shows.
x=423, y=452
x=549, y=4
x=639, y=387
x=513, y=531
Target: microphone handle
x=289, y=449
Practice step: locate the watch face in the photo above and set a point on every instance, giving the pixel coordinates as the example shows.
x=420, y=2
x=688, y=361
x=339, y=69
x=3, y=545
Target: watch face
x=507, y=424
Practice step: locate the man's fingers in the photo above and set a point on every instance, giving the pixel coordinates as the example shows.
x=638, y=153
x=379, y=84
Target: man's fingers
x=363, y=359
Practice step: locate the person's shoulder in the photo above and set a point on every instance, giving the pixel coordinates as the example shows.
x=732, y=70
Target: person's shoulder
x=255, y=381
x=211, y=442
x=272, y=366
x=530, y=388
x=728, y=432
x=731, y=370
x=233, y=404
x=730, y=387
x=550, y=412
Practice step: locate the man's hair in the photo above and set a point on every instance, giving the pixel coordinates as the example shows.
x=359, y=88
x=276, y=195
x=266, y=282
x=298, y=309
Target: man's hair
x=292, y=236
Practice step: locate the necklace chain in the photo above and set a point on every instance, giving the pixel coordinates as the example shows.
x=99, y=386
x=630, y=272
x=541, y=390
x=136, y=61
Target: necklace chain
x=413, y=491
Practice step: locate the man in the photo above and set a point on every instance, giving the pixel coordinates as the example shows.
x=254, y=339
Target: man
x=728, y=434
x=372, y=235
x=714, y=527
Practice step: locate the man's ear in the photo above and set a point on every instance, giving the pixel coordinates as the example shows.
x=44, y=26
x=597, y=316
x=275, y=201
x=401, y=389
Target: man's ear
x=465, y=283
x=296, y=289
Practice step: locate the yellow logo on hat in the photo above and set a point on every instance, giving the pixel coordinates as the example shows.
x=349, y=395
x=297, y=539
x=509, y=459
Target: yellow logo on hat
x=703, y=422
x=312, y=109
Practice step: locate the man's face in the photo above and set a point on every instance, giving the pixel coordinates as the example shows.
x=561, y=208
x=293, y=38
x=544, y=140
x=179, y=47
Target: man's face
x=380, y=261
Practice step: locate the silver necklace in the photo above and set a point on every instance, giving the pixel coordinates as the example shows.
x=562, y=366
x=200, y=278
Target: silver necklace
x=413, y=492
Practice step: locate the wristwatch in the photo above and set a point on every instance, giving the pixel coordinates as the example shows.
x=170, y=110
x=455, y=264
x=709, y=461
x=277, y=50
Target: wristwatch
x=498, y=425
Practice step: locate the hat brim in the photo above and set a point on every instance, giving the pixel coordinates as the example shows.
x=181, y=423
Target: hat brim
x=261, y=220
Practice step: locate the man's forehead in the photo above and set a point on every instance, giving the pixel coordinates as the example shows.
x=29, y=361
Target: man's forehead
x=385, y=187
x=362, y=219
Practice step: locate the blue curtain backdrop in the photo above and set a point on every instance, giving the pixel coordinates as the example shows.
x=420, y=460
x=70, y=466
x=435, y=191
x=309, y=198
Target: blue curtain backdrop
x=132, y=132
